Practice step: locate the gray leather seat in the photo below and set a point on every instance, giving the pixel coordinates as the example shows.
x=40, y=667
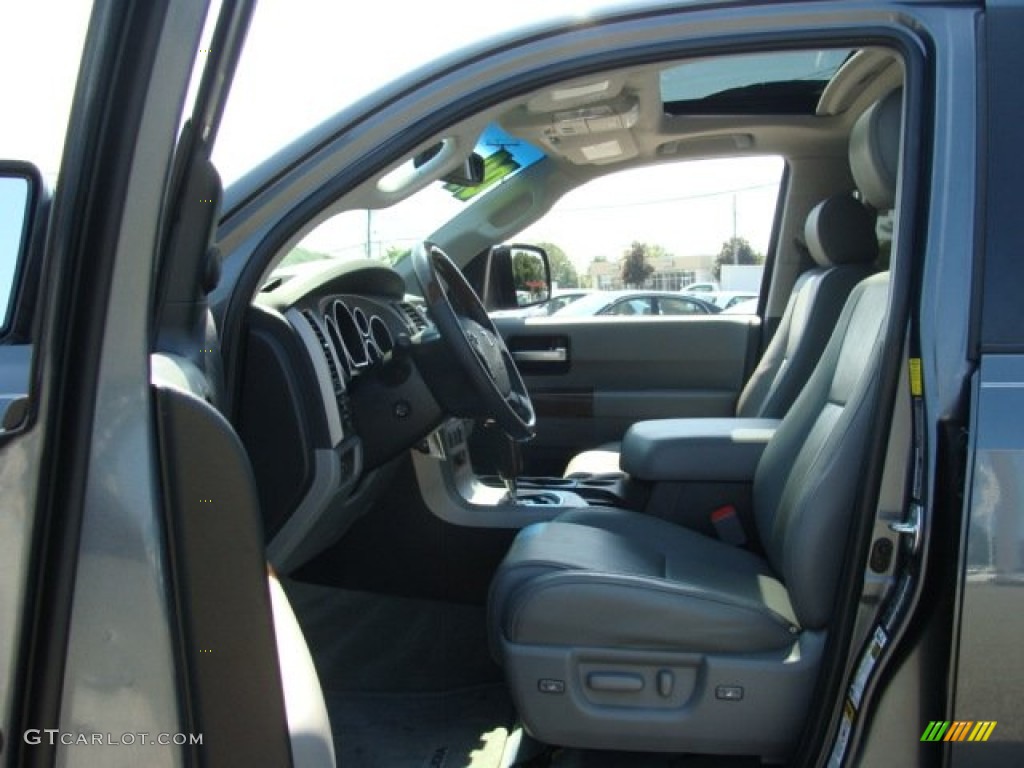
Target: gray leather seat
x=622, y=631
x=840, y=236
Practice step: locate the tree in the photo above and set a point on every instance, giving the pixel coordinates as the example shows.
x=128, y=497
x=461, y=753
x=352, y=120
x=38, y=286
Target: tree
x=655, y=251
x=528, y=272
x=563, y=271
x=394, y=254
x=635, y=269
x=735, y=250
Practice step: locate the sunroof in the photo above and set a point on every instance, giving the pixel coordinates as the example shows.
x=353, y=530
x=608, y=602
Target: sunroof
x=790, y=82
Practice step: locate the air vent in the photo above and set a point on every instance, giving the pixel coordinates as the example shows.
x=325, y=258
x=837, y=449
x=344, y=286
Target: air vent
x=414, y=315
x=275, y=282
x=272, y=284
x=332, y=366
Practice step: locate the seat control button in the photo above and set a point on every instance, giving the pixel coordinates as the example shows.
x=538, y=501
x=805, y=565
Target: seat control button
x=615, y=682
x=548, y=685
x=665, y=683
x=729, y=692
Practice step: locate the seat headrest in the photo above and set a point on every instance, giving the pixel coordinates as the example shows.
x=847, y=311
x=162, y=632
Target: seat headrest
x=839, y=230
x=875, y=150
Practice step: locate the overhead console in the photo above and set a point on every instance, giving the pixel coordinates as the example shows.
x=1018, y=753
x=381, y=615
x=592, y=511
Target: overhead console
x=589, y=135
x=588, y=123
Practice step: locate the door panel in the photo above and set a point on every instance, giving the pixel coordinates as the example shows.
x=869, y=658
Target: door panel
x=590, y=378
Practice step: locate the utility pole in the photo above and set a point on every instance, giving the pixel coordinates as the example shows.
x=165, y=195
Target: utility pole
x=370, y=228
x=735, y=249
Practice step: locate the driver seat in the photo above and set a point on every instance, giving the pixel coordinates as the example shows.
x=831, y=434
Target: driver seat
x=618, y=630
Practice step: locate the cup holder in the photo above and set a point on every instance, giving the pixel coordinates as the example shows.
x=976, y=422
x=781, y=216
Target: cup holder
x=606, y=488
x=547, y=482
x=542, y=499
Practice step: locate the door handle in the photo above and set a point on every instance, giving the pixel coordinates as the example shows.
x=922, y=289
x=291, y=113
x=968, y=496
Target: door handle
x=557, y=355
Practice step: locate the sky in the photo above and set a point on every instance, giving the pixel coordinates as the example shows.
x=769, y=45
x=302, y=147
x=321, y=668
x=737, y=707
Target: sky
x=306, y=59
x=687, y=208
x=37, y=80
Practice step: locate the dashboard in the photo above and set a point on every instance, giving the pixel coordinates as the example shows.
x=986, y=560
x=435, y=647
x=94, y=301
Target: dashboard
x=330, y=394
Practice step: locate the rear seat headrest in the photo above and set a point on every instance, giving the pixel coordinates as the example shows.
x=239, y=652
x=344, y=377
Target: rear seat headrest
x=875, y=151
x=840, y=230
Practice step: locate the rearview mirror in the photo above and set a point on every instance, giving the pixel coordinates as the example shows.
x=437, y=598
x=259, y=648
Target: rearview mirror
x=469, y=174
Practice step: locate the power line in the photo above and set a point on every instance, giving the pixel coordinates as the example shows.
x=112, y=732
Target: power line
x=663, y=200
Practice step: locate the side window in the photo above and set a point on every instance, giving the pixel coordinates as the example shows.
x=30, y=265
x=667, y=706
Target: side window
x=680, y=306
x=630, y=308
x=699, y=228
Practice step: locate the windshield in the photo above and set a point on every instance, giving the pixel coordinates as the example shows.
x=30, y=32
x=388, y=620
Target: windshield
x=388, y=234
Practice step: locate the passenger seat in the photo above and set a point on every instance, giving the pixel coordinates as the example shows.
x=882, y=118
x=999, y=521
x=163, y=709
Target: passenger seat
x=840, y=235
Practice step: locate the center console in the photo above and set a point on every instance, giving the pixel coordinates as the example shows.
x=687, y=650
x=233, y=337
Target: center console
x=672, y=468
x=598, y=490
x=456, y=494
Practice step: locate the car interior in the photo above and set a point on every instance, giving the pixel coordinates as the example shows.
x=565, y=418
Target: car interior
x=535, y=540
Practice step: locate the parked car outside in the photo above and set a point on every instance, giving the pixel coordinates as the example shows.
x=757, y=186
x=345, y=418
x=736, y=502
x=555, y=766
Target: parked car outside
x=701, y=288
x=638, y=303
x=742, y=307
x=727, y=299
x=560, y=299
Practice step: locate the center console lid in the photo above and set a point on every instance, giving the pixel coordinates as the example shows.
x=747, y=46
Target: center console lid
x=684, y=450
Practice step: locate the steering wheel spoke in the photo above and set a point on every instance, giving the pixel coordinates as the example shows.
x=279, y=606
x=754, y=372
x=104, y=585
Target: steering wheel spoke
x=519, y=404
x=474, y=342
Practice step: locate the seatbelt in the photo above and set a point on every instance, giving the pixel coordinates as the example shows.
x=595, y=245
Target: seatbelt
x=728, y=525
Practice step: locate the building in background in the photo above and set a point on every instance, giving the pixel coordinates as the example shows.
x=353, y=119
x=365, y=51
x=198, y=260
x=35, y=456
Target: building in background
x=671, y=273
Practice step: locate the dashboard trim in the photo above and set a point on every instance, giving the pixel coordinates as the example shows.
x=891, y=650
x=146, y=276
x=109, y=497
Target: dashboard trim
x=323, y=374
x=291, y=545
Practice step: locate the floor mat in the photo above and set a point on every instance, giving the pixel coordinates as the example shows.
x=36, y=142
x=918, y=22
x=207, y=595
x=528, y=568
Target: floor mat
x=383, y=644
x=455, y=729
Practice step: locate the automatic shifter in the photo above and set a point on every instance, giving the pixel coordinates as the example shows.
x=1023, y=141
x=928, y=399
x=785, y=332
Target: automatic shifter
x=510, y=466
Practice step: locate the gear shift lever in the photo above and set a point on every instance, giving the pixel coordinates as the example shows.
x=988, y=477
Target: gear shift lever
x=510, y=466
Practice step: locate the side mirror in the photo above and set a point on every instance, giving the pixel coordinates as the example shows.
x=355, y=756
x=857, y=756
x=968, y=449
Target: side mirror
x=531, y=274
x=511, y=276
x=20, y=189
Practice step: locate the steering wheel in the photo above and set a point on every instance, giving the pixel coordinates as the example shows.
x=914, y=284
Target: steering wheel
x=473, y=341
